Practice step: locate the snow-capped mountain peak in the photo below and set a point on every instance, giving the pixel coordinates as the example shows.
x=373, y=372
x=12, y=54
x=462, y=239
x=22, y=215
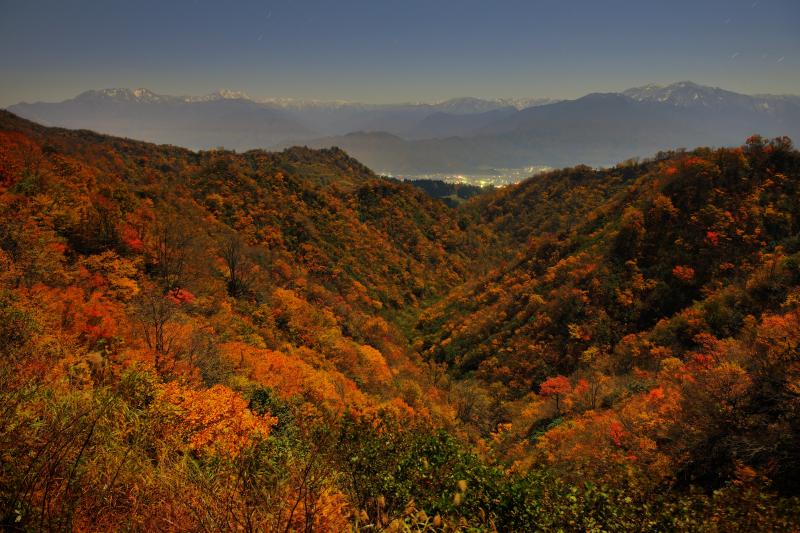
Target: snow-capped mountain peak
x=687, y=94
x=117, y=94
x=469, y=105
x=142, y=95
x=221, y=94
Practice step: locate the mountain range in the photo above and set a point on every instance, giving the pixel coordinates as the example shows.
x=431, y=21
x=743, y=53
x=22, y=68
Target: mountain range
x=461, y=135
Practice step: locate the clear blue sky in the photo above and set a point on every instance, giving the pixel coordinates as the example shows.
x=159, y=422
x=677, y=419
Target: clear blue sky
x=386, y=50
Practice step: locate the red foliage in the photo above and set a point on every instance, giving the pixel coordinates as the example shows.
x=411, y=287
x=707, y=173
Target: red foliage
x=656, y=394
x=616, y=432
x=694, y=161
x=180, y=296
x=582, y=387
x=683, y=273
x=132, y=239
x=555, y=385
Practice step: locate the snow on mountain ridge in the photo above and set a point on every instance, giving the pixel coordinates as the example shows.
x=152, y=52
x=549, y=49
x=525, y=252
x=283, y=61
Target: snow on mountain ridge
x=680, y=94
x=124, y=95
x=462, y=105
x=689, y=94
x=220, y=94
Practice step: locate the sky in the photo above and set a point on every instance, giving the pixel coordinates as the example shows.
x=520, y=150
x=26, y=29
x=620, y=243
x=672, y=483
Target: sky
x=381, y=51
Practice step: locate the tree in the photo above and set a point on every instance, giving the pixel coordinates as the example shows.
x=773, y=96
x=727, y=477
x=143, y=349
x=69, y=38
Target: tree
x=241, y=269
x=171, y=246
x=156, y=314
x=556, y=387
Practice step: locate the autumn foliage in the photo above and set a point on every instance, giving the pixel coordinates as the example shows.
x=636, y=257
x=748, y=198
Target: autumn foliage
x=286, y=342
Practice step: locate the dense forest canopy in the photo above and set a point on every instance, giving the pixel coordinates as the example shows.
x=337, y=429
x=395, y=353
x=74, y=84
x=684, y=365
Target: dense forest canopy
x=287, y=342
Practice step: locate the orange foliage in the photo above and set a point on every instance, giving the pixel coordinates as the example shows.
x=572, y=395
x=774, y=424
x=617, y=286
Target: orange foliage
x=215, y=421
x=292, y=376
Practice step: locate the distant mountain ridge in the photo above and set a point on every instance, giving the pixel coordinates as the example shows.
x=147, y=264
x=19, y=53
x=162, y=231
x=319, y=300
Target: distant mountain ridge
x=598, y=129
x=463, y=134
x=686, y=94
x=207, y=122
x=460, y=105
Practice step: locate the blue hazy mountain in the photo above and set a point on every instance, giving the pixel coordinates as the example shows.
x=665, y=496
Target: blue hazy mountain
x=457, y=135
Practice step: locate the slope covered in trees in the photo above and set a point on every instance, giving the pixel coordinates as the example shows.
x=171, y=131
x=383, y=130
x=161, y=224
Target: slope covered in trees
x=146, y=286
x=285, y=341
x=653, y=332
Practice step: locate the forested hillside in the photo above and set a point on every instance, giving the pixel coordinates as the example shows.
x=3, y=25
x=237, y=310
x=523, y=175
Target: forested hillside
x=652, y=336
x=287, y=342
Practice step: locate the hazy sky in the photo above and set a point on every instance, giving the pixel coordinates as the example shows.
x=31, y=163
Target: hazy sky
x=386, y=51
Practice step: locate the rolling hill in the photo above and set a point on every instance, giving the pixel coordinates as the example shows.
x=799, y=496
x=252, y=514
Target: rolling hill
x=285, y=341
